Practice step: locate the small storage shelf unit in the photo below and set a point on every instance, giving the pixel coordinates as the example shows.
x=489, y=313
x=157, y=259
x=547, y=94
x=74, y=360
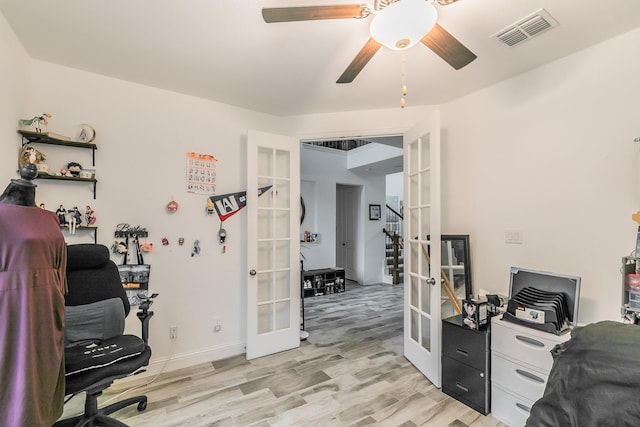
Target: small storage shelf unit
x=322, y=281
x=466, y=357
x=631, y=284
x=29, y=137
x=520, y=365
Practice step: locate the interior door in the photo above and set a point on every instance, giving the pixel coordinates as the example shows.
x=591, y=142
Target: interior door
x=273, y=247
x=347, y=213
x=422, y=325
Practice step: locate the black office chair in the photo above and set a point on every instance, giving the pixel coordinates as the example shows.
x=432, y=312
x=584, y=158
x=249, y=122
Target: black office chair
x=96, y=350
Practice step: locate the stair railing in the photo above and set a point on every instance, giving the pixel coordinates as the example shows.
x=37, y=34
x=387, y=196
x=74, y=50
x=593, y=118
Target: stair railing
x=393, y=230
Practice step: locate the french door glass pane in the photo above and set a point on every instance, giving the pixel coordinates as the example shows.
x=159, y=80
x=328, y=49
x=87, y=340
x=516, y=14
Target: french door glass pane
x=413, y=157
x=425, y=190
x=265, y=287
x=266, y=199
x=265, y=161
x=282, y=252
x=414, y=195
x=282, y=224
x=425, y=296
x=282, y=315
x=265, y=318
x=424, y=262
x=265, y=230
x=426, y=333
x=414, y=223
x=282, y=285
x=415, y=258
x=282, y=164
x=265, y=255
x=425, y=229
x=415, y=332
x=426, y=151
x=413, y=296
x=282, y=194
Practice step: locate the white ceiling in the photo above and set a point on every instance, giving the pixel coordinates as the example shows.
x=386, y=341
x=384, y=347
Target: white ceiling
x=222, y=50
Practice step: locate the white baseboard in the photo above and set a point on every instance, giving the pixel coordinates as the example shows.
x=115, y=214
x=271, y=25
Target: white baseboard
x=185, y=360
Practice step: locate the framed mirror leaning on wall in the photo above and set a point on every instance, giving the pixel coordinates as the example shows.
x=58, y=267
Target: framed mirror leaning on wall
x=456, y=271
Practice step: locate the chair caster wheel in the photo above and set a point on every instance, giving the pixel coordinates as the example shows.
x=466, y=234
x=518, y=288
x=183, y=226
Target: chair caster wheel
x=142, y=406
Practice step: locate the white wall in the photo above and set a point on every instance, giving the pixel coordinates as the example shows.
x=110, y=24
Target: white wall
x=550, y=153
x=143, y=135
x=326, y=168
x=13, y=87
x=395, y=186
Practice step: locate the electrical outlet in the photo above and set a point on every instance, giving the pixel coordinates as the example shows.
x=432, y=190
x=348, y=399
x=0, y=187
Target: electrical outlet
x=216, y=325
x=173, y=332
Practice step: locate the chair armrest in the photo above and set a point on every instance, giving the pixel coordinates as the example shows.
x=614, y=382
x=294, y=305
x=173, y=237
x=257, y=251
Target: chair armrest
x=145, y=314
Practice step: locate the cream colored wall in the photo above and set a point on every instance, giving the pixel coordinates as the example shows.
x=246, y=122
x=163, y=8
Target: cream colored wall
x=13, y=86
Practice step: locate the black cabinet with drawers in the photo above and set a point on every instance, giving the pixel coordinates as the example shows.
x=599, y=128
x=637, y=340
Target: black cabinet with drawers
x=466, y=359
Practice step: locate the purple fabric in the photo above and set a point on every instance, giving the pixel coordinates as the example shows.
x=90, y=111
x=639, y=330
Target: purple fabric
x=33, y=261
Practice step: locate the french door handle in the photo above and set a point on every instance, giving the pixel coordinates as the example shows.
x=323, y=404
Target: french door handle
x=431, y=281
x=252, y=272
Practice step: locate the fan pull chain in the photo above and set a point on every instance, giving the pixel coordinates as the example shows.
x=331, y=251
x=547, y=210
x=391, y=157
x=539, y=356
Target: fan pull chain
x=404, y=79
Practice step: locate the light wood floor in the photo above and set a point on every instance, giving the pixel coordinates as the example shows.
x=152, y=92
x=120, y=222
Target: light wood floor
x=349, y=372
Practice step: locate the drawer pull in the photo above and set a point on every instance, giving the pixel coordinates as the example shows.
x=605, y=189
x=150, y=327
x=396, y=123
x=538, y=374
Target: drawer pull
x=462, y=352
x=523, y=407
x=461, y=387
x=529, y=341
x=530, y=376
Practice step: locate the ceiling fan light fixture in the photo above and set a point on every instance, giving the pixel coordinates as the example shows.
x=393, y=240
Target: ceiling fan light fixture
x=404, y=23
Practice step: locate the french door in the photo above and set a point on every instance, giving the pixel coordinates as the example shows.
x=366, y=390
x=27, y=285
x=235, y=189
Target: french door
x=422, y=325
x=273, y=247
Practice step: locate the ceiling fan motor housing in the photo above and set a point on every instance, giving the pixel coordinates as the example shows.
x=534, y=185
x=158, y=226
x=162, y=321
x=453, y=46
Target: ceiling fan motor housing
x=404, y=23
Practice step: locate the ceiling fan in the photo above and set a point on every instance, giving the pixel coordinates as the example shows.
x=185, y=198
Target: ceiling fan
x=396, y=24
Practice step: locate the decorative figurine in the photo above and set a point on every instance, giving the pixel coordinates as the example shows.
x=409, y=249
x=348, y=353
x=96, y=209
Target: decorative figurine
x=90, y=216
x=36, y=122
x=196, y=248
x=172, y=206
x=87, y=133
x=121, y=247
x=64, y=172
x=33, y=156
x=74, y=168
x=62, y=215
x=210, y=207
x=77, y=216
x=165, y=241
x=75, y=219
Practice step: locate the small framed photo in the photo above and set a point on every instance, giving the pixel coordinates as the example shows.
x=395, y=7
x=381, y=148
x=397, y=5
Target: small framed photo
x=374, y=212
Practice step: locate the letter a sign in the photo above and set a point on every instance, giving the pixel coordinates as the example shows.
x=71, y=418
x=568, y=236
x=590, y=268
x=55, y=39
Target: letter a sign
x=229, y=204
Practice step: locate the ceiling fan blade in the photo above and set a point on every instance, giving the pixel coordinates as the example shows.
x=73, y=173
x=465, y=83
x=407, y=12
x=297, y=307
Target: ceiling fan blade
x=358, y=63
x=310, y=13
x=448, y=47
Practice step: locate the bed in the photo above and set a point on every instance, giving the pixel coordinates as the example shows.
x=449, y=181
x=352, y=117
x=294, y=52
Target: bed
x=595, y=379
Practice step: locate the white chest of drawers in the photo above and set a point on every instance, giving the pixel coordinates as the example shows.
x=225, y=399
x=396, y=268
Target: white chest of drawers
x=520, y=365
